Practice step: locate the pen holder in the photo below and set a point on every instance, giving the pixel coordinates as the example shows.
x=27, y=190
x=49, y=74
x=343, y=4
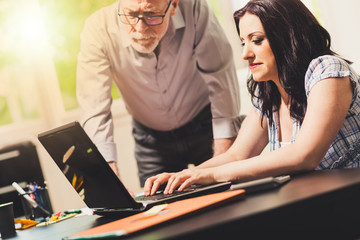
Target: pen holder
x=43, y=210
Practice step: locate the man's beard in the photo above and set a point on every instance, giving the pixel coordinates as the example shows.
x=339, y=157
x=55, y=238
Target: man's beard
x=144, y=43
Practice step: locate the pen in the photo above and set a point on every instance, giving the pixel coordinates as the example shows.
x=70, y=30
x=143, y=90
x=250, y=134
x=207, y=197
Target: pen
x=34, y=193
x=111, y=234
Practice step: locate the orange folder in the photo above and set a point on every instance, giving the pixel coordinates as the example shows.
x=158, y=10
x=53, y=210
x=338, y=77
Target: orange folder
x=173, y=210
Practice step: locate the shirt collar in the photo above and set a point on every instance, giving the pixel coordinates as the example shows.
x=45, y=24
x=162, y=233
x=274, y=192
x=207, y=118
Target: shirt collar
x=178, y=20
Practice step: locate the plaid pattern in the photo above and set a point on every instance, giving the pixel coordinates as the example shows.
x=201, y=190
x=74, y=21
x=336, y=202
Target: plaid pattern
x=344, y=151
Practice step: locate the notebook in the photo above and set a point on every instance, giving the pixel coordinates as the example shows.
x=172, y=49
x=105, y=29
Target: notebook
x=158, y=215
x=91, y=176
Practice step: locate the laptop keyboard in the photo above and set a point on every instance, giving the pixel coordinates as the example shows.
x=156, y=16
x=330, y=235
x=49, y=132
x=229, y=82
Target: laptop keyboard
x=160, y=195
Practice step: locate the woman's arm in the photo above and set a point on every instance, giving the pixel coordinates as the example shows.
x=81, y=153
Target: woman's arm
x=251, y=140
x=328, y=104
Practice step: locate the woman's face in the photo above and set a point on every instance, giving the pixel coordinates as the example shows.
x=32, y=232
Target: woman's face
x=256, y=49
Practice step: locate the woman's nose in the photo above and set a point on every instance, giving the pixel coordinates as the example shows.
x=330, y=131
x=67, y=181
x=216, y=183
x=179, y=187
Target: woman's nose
x=246, y=52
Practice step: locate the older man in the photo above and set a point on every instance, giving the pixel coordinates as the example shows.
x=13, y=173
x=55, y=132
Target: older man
x=175, y=71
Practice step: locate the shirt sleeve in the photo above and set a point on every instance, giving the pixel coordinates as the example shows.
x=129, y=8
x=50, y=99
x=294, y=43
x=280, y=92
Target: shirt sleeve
x=93, y=89
x=325, y=67
x=216, y=65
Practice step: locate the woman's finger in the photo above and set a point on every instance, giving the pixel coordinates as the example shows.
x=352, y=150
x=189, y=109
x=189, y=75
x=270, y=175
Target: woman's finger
x=185, y=184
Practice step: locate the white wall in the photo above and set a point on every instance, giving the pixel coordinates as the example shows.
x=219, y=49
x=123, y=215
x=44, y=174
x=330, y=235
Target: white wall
x=342, y=20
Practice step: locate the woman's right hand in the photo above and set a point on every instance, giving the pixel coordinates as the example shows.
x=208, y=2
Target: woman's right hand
x=152, y=184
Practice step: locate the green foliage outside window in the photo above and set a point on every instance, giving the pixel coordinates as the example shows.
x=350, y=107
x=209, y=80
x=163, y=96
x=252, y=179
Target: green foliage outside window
x=215, y=6
x=6, y=58
x=64, y=21
x=4, y=112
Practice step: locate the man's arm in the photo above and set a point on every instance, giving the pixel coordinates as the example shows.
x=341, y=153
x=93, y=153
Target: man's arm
x=221, y=145
x=114, y=167
x=217, y=68
x=93, y=88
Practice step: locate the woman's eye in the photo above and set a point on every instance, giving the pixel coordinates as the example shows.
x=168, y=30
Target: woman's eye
x=258, y=41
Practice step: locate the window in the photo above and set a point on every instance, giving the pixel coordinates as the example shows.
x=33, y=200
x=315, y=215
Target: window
x=22, y=38
x=64, y=22
x=38, y=52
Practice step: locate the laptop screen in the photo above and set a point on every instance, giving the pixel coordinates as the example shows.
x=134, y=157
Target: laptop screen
x=85, y=168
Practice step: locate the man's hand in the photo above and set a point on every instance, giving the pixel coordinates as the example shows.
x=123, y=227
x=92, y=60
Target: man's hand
x=114, y=167
x=221, y=145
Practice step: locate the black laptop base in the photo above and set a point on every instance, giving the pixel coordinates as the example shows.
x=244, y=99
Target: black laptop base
x=202, y=190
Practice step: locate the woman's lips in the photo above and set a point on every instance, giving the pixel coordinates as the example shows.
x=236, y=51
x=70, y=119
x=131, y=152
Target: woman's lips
x=254, y=65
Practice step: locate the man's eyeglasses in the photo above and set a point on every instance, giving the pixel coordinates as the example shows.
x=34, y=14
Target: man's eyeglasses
x=150, y=20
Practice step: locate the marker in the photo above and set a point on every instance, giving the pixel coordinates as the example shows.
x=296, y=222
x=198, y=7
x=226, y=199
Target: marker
x=72, y=211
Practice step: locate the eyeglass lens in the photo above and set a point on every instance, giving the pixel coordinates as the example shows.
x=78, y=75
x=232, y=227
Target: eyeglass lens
x=149, y=20
x=156, y=20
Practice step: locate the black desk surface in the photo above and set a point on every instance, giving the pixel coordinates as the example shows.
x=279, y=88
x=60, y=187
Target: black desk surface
x=315, y=205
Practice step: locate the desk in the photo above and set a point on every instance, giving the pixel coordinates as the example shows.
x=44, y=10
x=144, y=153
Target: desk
x=318, y=204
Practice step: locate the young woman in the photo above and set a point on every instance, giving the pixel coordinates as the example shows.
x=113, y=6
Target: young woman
x=306, y=102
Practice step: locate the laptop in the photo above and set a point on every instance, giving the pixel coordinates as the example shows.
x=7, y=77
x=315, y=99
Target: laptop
x=96, y=183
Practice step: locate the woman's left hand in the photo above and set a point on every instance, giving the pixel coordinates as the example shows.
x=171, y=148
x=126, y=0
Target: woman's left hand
x=187, y=177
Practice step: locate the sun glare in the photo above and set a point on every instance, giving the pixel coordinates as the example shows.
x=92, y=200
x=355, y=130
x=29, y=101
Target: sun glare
x=25, y=28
